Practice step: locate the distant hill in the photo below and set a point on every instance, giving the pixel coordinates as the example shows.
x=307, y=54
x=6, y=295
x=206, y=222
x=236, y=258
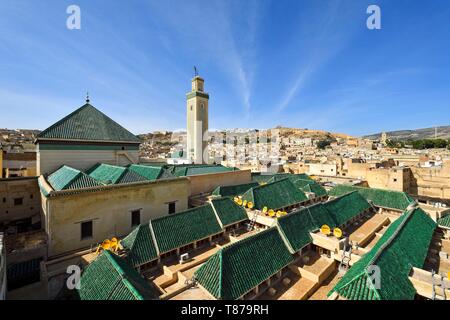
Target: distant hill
x=443, y=132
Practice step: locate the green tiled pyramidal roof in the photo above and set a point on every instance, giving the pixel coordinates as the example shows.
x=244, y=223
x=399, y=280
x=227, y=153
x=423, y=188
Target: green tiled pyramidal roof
x=275, y=195
x=444, y=221
x=88, y=124
x=140, y=246
x=179, y=229
x=109, y=277
x=110, y=174
x=236, y=190
x=347, y=206
x=404, y=245
x=380, y=197
x=239, y=267
x=228, y=212
x=67, y=178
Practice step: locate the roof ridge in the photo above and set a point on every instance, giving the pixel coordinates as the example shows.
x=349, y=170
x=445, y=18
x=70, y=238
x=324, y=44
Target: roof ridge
x=270, y=183
x=182, y=212
x=247, y=239
x=342, y=196
x=392, y=237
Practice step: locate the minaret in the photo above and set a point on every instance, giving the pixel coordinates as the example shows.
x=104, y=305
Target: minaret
x=197, y=121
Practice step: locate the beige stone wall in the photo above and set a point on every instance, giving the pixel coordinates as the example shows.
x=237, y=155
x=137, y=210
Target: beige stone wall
x=110, y=210
x=431, y=182
x=392, y=179
x=357, y=170
x=322, y=169
x=19, y=188
x=50, y=160
x=204, y=183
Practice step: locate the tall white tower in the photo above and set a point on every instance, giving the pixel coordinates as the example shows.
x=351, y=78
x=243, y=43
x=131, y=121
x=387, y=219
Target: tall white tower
x=197, y=121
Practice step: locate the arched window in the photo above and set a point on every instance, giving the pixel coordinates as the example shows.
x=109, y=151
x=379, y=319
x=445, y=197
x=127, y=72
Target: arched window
x=203, y=106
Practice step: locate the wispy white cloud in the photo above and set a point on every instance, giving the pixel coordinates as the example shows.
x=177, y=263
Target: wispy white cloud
x=208, y=33
x=330, y=38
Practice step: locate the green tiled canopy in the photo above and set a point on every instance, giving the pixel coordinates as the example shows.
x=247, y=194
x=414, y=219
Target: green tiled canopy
x=109, y=277
x=228, y=211
x=275, y=195
x=239, y=267
x=380, y=197
x=67, y=178
x=179, y=229
x=404, y=245
x=235, y=190
x=347, y=206
x=140, y=246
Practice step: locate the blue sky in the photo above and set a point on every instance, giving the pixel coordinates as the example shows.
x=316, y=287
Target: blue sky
x=307, y=64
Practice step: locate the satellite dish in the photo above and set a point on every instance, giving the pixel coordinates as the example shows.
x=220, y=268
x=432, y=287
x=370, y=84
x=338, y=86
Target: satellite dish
x=325, y=229
x=236, y=199
x=239, y=202
x=114, y=244
x=279, y=213
x=244, y=203
x=265, y=210
x=250, y=205
x=271, y=213
x=106, y=244
x=284, y=213
x=337, y=232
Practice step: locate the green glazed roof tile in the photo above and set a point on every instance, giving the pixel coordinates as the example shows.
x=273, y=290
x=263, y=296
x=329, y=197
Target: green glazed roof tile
x=228, y=211
x=239, y=267
x=380, y=197
x=347, y=206
x=109, y=277
x=444, y=221
x=235, y=190
x=404, y=245
x=140, y=246
x=275, y=195
x=88, y=124
x=179, y=229
x=67, y=178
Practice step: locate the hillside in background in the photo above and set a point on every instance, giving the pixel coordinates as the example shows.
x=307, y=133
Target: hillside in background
x=443, y=132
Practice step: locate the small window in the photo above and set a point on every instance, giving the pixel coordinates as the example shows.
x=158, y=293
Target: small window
x=135, y=218
x=31, y=196
x=86, y=230
x=171, y=207
x=18, y=201
x=4, y=200
x=191, y=108
x=395, y=180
